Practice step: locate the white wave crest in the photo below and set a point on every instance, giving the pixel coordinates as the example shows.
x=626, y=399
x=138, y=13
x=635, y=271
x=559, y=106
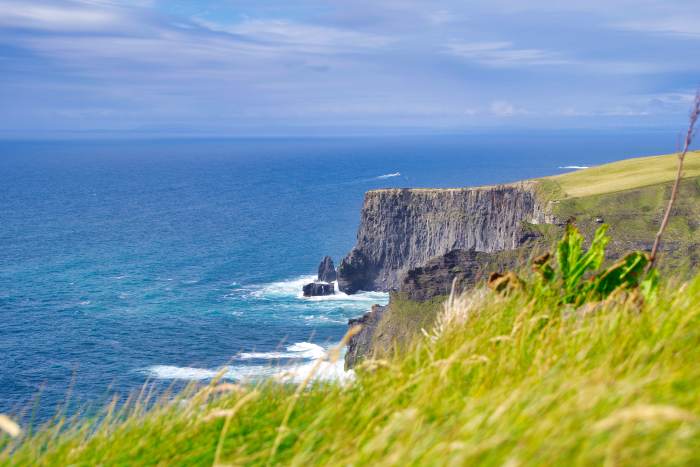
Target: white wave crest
x=176, y=372
x=574, y=167
x=292, y=288
x=283, y=289
x=322, y=369
x=323, y=319
x=236, y=373
x=391, y=175
x=298, y=350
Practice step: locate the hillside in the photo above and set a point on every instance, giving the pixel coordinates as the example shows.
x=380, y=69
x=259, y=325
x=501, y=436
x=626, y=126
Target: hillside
x=630, y=196
x=402, y=229
x=463, y=229
x=624, y=175
x=500, y=382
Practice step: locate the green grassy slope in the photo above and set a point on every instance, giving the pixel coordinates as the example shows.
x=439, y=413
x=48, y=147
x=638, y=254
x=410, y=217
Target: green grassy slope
x=501, y=383
x=631, y=197
x=625, y=175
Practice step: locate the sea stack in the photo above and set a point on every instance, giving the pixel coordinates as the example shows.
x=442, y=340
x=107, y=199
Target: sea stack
x=323, y=285
x=326, y=270
x=318, y=289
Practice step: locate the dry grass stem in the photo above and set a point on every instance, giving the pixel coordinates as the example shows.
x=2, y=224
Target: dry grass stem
x=229, y=416
x=9, y=426
x=333, y=356
x=688, y=140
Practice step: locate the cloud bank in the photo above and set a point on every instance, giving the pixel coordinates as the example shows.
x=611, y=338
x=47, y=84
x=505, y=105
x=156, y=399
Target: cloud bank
x=319, y=67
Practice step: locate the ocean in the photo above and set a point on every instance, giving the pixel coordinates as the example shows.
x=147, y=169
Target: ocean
x=126, y=262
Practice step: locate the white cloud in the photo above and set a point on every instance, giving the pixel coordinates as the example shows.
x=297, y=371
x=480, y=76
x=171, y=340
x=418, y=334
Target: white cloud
x=501, y=108
x=440, y=17
x=644, y=105
x=673, y=98
x=307, y=38
x=612, y=112
x=504, y=54
x=70, y=17
x=683, y=26
x=109, y=62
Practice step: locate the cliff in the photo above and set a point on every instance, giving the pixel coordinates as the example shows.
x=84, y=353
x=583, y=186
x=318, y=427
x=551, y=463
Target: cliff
x=362, y=343
x=416, y=242
x=401, y=229
x=461, y=269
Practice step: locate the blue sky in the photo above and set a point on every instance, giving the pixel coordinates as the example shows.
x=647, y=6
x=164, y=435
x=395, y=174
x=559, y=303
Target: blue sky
x=312, y=67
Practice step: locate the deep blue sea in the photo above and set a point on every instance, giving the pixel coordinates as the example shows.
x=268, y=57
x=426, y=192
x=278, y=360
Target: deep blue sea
x=123, y=262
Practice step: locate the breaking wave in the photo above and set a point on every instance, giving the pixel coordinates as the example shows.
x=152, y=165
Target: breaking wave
x=391, y=175
x=298, y=350
x=574, y=167
x=292, y=288
x=316, y=363
x=292, y=363
x=236, y=373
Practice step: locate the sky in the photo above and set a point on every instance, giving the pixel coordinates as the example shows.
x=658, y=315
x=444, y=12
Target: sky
x=331, y=67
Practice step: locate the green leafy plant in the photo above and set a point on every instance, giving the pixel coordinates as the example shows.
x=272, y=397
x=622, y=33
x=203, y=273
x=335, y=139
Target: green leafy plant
x=577, y=276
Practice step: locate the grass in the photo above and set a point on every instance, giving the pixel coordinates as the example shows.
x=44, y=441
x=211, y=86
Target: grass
x=636, y=213
x=498, y=382
x=625, y=175
x=631, y=196
x=402, y=322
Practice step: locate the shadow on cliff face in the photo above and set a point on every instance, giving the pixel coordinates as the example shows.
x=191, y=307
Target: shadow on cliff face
x=401, y=229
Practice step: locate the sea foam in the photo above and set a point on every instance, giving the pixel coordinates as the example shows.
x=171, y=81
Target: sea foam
x=316, y=365
x=295, y=351
x=292, y=288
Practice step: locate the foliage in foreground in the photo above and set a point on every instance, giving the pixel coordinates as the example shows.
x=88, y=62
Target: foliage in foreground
x=500, y=380
x=578, y=277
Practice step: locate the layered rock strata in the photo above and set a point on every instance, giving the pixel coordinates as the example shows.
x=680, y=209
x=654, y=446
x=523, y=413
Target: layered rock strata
x=460, y=269
x=361, y=344
x=401, y=229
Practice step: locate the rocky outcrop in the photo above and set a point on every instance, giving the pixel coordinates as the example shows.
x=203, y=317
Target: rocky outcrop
x=401, y=229
x=326, y=270
x=463, y=268
x=398, y=225
x=361, y=344
x=318, y=289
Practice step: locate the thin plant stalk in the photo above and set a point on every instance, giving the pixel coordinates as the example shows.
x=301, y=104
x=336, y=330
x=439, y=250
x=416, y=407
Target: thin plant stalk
x=331, y=356
x=694, y=115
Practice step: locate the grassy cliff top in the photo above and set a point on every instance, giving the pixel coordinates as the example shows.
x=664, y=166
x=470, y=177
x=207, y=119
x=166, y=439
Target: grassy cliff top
x=625, y=175
x=614, y=177
x=398, y=191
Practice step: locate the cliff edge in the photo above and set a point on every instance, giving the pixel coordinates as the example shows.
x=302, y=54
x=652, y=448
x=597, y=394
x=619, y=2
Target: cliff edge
x=401, y=229
x=417, y=243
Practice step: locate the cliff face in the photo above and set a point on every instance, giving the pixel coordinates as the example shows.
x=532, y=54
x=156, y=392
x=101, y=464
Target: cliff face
x=420, y=298
x=362, y=343
x=401, y=229
x=417, y=243
x=462, y=269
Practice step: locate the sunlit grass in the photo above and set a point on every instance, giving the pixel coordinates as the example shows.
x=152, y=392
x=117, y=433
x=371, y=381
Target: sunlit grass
x=496, y=382
x=625, y=175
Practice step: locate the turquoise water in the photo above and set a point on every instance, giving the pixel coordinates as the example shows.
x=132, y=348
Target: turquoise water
x=123, y=262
